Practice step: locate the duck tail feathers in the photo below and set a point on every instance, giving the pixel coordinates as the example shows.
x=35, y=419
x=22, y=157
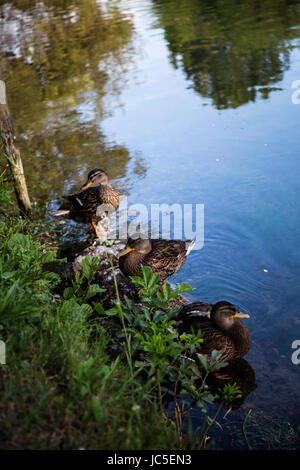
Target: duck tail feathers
x=189, y=245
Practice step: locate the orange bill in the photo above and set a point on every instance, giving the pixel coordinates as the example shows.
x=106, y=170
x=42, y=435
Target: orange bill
x=86, y=185
x=241, y=315
x=127, y=250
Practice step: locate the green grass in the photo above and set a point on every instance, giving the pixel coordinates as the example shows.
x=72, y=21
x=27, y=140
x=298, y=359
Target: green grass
x=59, y=388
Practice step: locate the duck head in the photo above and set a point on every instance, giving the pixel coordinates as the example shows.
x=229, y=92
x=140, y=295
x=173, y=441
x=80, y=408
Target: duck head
x=140, y=246
x=223, y=314
x=95, y=177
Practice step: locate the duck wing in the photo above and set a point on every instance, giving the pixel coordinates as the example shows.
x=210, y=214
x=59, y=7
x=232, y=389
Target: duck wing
x=195, y=309
x=81, y=207
x=84, y=199
x=194, y=317
x=167, y=256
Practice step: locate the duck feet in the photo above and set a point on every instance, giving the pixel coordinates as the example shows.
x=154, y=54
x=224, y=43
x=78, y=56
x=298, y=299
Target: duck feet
x=99, y=232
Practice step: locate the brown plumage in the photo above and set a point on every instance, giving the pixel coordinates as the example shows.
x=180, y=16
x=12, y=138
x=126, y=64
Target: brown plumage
x=164, y=257
x=85, y=206
x=221, y=329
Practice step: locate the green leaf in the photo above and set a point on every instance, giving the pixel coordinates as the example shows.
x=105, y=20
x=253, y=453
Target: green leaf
x=147, y=273
x=87, y=309
x=99, y=308
x=219, y=365
x=153, y=281
x=86, y=270
x=208, y=397
x=137, y=280
x=215, y=355
x=147, y=315
x=204, y=361
x=180, y=289
x=94, y=289
x=68, y=292
x=49, y=256
x=112, y=311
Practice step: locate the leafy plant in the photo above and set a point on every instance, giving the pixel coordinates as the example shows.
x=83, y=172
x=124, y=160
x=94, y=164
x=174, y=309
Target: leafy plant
x=5, y=195
x=229, y=393
x=82, y=288
x=154, y=348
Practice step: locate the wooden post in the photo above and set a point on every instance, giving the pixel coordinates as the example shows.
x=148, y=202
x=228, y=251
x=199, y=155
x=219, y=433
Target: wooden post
x=13, y=155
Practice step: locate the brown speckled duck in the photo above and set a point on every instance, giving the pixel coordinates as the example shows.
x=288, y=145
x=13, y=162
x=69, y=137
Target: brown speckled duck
x=220, y=326
x=83, y=207
x=164, y=257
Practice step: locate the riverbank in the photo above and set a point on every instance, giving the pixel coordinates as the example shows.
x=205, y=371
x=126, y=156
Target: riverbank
x=85, y=374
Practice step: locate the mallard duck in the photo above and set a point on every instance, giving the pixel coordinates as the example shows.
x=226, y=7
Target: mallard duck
x=164, y=257
x=220, y=328
x=85, y=206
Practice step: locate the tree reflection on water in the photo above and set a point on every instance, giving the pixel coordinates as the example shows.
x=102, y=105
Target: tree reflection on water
x=62, y=62
x=231, y=51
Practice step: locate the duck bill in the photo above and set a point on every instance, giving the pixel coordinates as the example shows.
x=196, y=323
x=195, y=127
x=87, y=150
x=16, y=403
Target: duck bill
x=86, y=185
x=241, y=315
x=124, y=252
